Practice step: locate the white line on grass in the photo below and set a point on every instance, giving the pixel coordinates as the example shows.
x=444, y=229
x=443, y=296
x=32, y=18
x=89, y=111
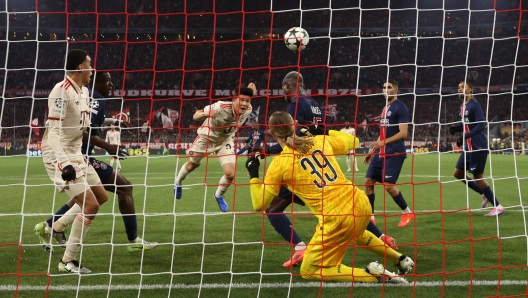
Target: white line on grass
x=455, y=283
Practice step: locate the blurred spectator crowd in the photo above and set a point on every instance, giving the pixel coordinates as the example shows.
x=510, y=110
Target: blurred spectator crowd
x=206, y=44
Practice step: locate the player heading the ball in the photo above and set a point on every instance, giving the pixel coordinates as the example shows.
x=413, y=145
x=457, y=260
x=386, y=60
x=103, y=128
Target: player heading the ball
x=307, y=166
x=221, y=121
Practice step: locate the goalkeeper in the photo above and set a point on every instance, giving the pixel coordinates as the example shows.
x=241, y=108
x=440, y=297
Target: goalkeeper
x=307, y=166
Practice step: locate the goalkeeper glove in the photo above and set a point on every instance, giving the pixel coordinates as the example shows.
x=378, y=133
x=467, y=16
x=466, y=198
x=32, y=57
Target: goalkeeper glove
x=252, y=165
x=460, y=142
x=309, y=127
x=68, y=173
x=452, y=130
x=258, y=150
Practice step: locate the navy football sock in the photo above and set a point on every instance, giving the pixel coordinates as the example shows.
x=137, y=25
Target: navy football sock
x=490, y=196
x=473, y=185
x=371, y=227
x=130, y=226
x=398, y=199
x=371, y=198
x=58, y=214
x=283, y=226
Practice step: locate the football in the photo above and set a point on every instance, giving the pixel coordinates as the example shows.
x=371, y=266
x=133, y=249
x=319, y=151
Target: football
x=296, y=39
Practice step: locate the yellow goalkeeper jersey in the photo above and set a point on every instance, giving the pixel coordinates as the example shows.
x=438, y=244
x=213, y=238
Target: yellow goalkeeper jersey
x=316, y=176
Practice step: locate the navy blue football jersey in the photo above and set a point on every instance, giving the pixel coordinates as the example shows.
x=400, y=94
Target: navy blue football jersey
x=392, y=116
x=256, y=137
x=305, y=108
x=301, y=108
x=97, y=118
x=473, y=125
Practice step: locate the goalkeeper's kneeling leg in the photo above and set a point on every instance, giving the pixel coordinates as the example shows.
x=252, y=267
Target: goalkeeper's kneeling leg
x=339, y=273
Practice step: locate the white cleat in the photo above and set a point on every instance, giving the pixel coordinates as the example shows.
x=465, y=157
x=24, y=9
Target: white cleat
x=141, y=245
x=383, y=275
x=73, y=267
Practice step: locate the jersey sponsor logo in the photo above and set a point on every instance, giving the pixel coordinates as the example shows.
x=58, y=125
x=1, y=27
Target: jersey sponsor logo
x=191, y=152
x=389, y=113
x=103, y=166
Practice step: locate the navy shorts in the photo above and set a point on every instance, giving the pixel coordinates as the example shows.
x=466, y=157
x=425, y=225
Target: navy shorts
x=286, y=194
x=385, y=169
x=103, y=170
x=475, y=161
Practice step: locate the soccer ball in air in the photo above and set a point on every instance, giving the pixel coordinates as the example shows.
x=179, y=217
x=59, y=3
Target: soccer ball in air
x=296, y=38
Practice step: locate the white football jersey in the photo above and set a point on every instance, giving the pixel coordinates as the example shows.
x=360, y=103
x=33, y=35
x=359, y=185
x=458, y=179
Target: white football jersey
x=68, y=116
x=225, y=124
x=349, y=130
x=112, y=137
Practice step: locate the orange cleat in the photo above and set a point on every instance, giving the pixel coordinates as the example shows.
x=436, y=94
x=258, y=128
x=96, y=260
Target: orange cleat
x=296, y=259
x=406, y=219
x=389, y=241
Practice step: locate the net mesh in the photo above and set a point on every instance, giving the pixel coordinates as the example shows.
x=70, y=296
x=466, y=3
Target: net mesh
x=169, y=58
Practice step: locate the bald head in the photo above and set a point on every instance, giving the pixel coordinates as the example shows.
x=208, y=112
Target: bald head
x=292, y=84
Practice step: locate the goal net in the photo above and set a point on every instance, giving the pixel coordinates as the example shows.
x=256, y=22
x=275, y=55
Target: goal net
x=167, y=59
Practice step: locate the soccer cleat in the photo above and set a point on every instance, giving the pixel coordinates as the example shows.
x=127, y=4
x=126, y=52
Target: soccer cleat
x=406, y=219
x=178, y=191
x=73, y=267
x=221, y=203
x=141, y=245
x=60, y=237
x=496, y=211
x=389, y=241
x=484, y=201
x=405, y=265
x=349, y=169
x=43, y=235
x=383, y=275
x=296, y=259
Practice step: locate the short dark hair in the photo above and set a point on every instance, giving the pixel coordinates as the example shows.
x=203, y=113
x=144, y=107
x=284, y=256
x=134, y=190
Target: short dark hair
x=393, y=82
x=99, y=76
x=241, y=90
x=74, y=58
x=468, y=84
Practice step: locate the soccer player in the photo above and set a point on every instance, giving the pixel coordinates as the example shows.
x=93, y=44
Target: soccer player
x=307, y=166
x=114, y=181
x=220, y=123
x=113, y=136
x=69, y=115
x=476, y=150
x=256, y=138
x=352, y=131
x=304, y=110
x=387, y=154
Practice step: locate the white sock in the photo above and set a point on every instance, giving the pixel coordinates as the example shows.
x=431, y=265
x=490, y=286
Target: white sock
x=79, y=229
x=134, y=241
x=223, y=185
x=382, y=235
x=347, y=160
x=182, y=174
x=355, y=163
x=67, y=218
x=406, y=210
x=111, y=161
x=300, y=246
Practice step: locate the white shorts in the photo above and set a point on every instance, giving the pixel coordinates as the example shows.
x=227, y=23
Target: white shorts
x=202, y=146
x=86, y=177
x=351, y=152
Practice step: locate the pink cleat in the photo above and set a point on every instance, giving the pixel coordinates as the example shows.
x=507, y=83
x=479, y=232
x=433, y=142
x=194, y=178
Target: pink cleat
x=496, y=211
x=389, y=241
x=296, y=259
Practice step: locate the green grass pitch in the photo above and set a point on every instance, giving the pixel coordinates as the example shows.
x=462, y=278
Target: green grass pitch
x=202, y=251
